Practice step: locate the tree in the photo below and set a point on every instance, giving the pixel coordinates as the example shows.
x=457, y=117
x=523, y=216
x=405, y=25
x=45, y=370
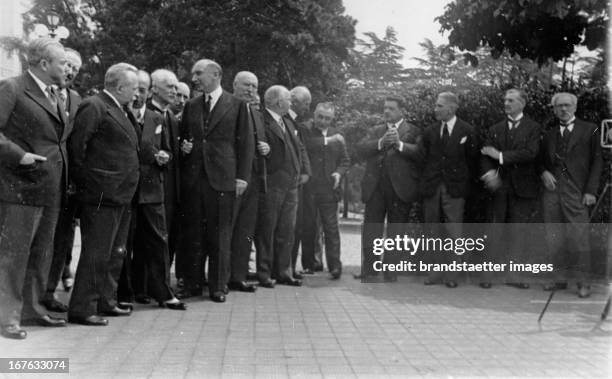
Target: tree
x=289, y=42
x=536, y=29
x=377, y=60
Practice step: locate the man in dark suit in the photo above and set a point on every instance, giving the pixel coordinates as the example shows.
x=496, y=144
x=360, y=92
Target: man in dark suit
x=105, y=166
x=218, y=149
x=299, y=111
x=447, y=148
x=571, y=165
x=33, y=161
x=278, y=205
x=329, y=161
x=151, y=264
x=66, y=223
x=163, y=95
x=389, y=186
x=508, y=164
x=245, y=88
x=182, y=95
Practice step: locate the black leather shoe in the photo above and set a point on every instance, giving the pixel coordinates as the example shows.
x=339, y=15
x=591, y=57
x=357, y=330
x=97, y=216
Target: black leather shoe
x=485, y=285
x=92, y=320
x=298, y=276
x=45, y=320
x=116, y=312
x=13, y=332
x=335, y=274
x=218, y=297
x=67, y=283
x=290, y=282
x=251, y=276
x=55, y=306
x=519, y=285
x=451, y=284
x=318, y=267
x=268, y=283
x=584, y=291
x=242, y=286
x=185, y=293
x=142, y=299
x=125, y=305
x=180, y=306
x=390, y=278
x=364, y=277
x=555, y=286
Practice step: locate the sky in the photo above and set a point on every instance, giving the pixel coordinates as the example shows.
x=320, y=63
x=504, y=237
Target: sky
x=413, y=21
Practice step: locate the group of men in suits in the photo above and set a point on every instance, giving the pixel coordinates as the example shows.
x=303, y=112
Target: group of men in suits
x=522, y=168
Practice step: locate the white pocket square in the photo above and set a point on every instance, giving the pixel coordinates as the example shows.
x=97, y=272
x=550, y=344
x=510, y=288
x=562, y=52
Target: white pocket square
x=158, y=129
x=463, y=140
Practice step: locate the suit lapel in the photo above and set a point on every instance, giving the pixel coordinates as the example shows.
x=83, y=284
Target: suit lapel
x=124, y=122
x=222, y=106
x=33, y=91
x=276, y=129
x=575, y=136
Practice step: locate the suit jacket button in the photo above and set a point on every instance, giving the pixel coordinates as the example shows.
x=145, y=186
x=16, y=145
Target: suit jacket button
x=204, y=140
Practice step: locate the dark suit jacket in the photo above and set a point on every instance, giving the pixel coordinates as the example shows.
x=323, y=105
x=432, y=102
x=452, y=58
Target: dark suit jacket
x=324, y=160
x=72, y=104
x=277, y=159
x=259, y=134
x=151, y=186
x=104, y=153
x=172, y=169
x=449, y=165
x=404, y=168
x=224, y=151
x=519, y=172
x=583, y=157
x=29, y=124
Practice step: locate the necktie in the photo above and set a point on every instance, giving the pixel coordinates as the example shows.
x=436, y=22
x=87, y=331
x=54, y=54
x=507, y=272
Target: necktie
x=207, y=104
x=62, y=97
x=445, y=134
x=513, y=123
x=52, y=97
x=282, y=125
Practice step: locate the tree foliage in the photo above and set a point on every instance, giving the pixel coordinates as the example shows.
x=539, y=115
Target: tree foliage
x=284, y=41
x=536, y=29
x=376, y=61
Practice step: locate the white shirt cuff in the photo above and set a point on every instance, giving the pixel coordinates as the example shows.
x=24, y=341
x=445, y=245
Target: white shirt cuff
x=401, y=146
x=241, y=181
x=501, y=158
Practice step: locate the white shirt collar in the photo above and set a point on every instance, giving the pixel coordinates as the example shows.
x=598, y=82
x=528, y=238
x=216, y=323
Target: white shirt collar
x=214, y=96
x=450, y=124
x=159, y=106
x=274, y=115
x=292, y=114
x=142, y=113
x=41, y=84
x=570, y=125
x=396, y=125
x=113, y=97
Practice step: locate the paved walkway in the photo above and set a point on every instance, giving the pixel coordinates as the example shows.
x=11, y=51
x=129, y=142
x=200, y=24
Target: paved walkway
x=342, y=329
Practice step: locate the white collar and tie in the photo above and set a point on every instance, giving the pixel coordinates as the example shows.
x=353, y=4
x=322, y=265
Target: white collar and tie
x=567, y=126
x=395, y=125
x=278, y=118
x=513, y=123
x=450, y=124
x=213, y=97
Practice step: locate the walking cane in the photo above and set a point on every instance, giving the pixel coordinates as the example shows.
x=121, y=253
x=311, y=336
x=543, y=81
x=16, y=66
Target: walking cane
x=552, y=293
